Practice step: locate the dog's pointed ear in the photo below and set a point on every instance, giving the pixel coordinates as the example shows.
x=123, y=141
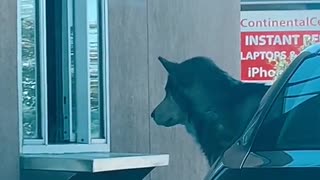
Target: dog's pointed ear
x=168, y=65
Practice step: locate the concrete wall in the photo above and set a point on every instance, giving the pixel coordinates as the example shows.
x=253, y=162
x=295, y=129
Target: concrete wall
x=9, y=124
x=140, y=31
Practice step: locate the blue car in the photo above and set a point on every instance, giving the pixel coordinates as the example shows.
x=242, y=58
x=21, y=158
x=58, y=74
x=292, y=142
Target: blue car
x=282, y=141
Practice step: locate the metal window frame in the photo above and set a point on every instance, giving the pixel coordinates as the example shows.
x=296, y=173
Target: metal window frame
x=84, y=143
x=41, y=39
x=65, y=71
x=83, y=75
x=106, y=87
x=19, y=75
x=82, y=72
x=104, y=81
x=64, y=148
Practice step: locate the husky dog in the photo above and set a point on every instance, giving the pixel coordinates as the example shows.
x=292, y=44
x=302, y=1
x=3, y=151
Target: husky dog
x=214, y=107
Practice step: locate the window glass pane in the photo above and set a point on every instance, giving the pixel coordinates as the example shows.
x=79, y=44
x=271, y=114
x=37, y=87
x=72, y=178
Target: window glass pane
x=30, y=90
x=309, y=71
x=95, y=69
x=291, y=103
x=306, y=87
x=294, y=120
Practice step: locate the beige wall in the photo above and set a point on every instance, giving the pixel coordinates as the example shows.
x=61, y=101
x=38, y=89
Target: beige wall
x=9, y=128
x=142, y=30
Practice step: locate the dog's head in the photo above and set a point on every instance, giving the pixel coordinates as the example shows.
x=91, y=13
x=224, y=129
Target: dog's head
x=169, y=112
x=191, y=88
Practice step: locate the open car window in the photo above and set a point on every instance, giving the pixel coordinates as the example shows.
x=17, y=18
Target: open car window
x=293, y=123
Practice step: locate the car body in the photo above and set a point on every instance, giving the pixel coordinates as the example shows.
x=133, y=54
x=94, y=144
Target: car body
x=282, y=141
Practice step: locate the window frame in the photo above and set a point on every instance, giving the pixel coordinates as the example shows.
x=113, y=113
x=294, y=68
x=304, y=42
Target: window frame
x=41, y=59
x=84, y=142
x=282, y=88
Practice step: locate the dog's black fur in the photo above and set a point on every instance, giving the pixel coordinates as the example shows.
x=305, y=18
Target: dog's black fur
x=214, y=107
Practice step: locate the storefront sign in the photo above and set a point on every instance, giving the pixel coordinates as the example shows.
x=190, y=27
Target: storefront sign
x=269, y=38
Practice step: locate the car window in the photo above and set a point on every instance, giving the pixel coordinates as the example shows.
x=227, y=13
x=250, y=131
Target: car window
x=294, y=119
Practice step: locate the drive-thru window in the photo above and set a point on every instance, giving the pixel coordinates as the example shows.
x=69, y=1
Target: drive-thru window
x=64, y=94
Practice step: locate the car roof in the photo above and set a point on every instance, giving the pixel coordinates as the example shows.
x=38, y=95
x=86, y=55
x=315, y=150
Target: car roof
x=314, y=49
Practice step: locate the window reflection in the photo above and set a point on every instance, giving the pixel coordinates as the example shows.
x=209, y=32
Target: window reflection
x=30, y=95
x=293, y=121
x=308, y=71
x=95, y=69
x=307, y=82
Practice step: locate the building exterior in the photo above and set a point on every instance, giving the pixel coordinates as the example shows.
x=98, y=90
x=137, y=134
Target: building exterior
x=83, y=76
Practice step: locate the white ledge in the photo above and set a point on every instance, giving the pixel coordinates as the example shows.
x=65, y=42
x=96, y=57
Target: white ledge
x=92, y=162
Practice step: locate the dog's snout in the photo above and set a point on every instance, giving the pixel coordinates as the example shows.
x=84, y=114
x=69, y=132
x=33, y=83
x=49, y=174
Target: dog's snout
x=152, y=114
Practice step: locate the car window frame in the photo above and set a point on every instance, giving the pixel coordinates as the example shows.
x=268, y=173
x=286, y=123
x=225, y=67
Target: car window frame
x=275, y=91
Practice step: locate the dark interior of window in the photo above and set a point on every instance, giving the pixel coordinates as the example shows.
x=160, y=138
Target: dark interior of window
x=61, y=67
x=54, y=71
